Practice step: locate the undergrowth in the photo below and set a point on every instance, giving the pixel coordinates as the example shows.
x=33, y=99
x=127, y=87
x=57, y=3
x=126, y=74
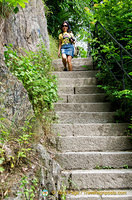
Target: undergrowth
x=53, y=47
x=16, y=149
x=34, y=69
x=18, y=156
x=111, y=78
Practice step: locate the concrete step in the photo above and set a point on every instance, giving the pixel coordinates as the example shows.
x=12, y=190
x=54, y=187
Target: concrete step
x=93, y=143
x=78, y=64
x=90, y=129
x=98, y=179
x=82, y=98
x=99, y=195
x=77, y=81
x=83, y=107
x=75, y=74
x=85, y=117
x=88, y=89
x=90, y=160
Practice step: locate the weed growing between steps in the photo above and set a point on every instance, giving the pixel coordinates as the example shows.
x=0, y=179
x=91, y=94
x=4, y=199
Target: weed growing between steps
x=110, y=167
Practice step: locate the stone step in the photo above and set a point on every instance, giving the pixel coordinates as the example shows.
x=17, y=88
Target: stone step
x=90, y=89
x=98, y=179
x=78, y=64
x=91, y=160
x=75, y=74
x=91, y=129
x=82, y=98
x=93, y=143
x=82, y=107
x=85, y=117
x=77, y=81
x=87, y=90
x=99, y=195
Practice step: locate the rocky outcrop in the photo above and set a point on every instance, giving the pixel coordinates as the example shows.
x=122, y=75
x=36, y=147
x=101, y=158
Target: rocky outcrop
x=25, y=28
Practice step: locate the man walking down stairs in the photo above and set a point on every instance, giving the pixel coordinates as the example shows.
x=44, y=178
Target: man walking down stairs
x=93, y=150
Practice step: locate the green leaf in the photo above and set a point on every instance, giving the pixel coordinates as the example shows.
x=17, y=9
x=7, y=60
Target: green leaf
x=16, y=10
x=2, y=169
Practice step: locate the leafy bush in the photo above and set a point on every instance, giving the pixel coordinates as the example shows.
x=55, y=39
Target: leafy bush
x=33, y=69
x=82, y=52
x=115, y=17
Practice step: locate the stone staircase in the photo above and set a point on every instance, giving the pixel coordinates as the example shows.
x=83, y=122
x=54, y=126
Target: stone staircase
x=92, y=148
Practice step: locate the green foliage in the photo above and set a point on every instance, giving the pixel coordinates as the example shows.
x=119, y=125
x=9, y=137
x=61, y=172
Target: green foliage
x=110, y=167
x=33, y=69
x=112, y=79
x=53, y=47
x=20, y=139
x=125, y=166
x=103, y=167
x=29, y=188
x=1, y=163
x=63, y=192
x=4, y=135
x=7, y=6
x=115, y=17
x=82, y=52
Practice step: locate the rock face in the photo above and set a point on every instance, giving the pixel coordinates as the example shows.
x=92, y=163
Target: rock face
x=25, y=28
